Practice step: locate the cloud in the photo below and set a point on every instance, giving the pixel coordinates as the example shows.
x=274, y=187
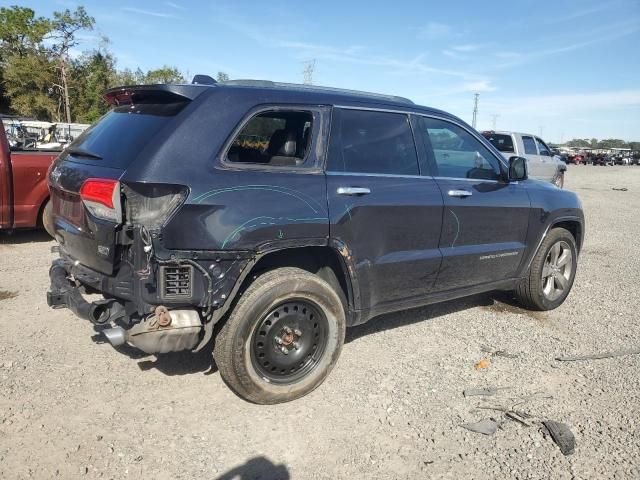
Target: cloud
x=149, y=13
x=470, y=47
x=556, y=105
x=435, y=30
x=174, y=5
x=583, y=13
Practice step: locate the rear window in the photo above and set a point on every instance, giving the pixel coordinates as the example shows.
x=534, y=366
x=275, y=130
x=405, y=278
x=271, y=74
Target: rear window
x=122, y=133
x=502, y=142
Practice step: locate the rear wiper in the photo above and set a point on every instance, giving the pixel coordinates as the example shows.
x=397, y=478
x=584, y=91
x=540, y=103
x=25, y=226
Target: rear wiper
x=80, y=152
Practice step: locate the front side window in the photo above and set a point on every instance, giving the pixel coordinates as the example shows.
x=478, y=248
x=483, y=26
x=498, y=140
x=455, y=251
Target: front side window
x=372, y=142
x=529, y=145
x=457, y=153
x=542, y=148
x=275, y=138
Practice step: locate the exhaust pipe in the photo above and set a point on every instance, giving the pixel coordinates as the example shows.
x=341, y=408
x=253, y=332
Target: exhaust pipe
x=166, y=331
x=116, y=336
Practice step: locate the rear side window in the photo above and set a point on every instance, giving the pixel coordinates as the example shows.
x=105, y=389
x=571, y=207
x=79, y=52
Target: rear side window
x=502, y=142
x=122, y=133
x=457, y=153
x=529, y=145
x=372, y=142
x=276, y=138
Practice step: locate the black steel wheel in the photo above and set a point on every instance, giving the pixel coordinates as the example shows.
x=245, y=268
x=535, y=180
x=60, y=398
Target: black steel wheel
x=282, y=338
x=289, y=341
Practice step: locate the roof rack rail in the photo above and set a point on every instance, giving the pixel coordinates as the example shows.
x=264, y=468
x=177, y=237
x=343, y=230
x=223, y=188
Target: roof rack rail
x=314, y=88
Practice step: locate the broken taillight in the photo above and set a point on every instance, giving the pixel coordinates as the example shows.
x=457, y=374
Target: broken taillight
x=101, y=197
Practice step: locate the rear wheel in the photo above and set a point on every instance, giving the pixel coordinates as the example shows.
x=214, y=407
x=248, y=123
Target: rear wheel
x=282, y=338
x=47, y=219
x=552, y=272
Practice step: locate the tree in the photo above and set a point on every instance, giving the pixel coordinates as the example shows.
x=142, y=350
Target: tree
x=90, y=75
x=28, y=82
x=64, y=28
x=222, y=77
x=21, y=34
x=165, y=74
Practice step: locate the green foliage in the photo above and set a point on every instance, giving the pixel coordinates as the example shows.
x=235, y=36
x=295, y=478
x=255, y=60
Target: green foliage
x=40, y=79
x=165, y=74
x=28, y=84
x=21, y=32
x=607, y=143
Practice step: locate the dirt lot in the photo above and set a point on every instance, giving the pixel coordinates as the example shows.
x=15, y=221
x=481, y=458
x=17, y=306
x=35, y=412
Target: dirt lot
x=392, y=408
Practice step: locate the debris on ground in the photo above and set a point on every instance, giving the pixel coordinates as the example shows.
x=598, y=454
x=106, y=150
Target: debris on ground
x=477, y=392
x=484, y=363
x=598, y=356
x=498, y=353
x=620, y=189
x=488, y=426
x=519, y=416
x=562, y=435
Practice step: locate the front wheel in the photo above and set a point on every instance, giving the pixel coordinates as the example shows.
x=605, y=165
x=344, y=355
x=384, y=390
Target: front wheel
x=551, y=273
x=558, y=180
x=282, y=338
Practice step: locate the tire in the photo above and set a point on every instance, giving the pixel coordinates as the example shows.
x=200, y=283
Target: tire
x=558, y=181
x=47, y=219
x=283, y=309
x=542, y=288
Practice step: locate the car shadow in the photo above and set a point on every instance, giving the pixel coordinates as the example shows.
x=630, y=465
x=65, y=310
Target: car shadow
x=187, y=362
x=257, y=468
x=17, y=237
x=498, y=301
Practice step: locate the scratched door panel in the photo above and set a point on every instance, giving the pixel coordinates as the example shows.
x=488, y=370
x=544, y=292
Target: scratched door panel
x=484, y=234
x=237, y=210
x=392, y=233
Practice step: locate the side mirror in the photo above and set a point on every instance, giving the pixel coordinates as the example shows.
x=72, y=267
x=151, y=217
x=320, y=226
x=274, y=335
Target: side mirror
x=517, y=169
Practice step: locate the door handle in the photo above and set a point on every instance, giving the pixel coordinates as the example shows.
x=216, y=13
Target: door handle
x=459, y=193
x=353, y=191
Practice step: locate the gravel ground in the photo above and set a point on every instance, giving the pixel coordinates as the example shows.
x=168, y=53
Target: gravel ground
x=392, y=407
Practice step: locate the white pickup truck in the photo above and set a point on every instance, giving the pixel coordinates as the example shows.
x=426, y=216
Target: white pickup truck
x=541, y=162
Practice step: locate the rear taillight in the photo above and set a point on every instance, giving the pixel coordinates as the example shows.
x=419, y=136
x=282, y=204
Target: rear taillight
x=152, y=205
x=101, y=196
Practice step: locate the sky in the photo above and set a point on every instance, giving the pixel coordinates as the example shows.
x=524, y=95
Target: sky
x=561, y=69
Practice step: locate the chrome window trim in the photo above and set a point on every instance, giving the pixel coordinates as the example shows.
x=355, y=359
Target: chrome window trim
x=477, y=180
x=384, y=175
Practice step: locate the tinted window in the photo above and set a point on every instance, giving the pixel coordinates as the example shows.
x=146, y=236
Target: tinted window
x=542, y=148
x=529, y=146
x=457, y=153
x=372, y=142
x=502, y=142
x=123, y=132
x=279, y=138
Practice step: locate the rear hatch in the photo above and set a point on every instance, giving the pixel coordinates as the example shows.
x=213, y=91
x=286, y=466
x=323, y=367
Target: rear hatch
x=85, y=186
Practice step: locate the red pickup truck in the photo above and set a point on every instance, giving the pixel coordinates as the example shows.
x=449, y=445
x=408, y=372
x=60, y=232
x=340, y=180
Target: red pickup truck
x=24, y=195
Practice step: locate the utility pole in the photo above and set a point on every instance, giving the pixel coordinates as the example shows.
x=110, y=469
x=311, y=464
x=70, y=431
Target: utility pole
x=540, y=131
x=475, y=110
x=307, y=73
x=494, y=119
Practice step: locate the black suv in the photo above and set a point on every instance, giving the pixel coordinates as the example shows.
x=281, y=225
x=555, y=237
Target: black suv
x=273, y=216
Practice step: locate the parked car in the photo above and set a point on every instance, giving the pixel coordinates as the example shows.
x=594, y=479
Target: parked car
x=24, y=197
x=273, y=216
x=542, y=163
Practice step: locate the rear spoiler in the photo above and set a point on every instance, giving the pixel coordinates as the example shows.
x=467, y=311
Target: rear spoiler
x=158, y=94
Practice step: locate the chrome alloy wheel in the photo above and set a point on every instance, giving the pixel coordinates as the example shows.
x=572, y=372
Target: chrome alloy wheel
x=557, y=270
